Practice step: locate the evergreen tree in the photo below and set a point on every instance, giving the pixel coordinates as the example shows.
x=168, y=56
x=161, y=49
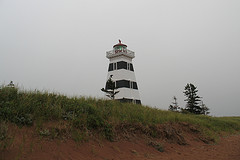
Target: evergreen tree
x=193, y=99
x=205, y=109
x=110, y=88
x=10, y=84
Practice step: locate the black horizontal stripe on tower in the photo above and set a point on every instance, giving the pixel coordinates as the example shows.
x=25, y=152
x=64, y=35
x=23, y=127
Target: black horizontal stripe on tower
x=125, y=84
x=120, y=65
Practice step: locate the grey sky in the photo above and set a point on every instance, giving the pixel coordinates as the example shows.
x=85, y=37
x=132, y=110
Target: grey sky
x=60, y=45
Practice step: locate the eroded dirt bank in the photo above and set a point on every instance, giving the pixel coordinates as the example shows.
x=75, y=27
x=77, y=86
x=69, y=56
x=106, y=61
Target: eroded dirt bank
x=29, y=146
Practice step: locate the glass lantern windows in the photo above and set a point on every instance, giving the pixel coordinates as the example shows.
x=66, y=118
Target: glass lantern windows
x=120, y=49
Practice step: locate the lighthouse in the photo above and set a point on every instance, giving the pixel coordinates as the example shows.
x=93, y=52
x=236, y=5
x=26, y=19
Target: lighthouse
x=121, y=71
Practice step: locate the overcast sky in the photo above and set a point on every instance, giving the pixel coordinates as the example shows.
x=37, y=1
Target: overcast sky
x=60, y=46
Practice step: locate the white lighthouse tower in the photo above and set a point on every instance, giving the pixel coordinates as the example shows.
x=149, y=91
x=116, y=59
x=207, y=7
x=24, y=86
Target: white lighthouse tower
x=122, y=71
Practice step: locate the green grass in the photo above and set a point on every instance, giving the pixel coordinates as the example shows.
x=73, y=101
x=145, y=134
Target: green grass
x=87, y=114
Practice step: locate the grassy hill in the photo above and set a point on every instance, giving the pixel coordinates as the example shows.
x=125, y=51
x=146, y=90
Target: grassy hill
x=82, y=117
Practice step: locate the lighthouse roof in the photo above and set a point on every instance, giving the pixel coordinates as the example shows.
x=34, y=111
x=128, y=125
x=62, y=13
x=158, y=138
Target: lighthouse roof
x=119, y=44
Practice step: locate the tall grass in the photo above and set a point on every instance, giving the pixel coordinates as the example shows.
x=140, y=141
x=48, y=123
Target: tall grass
x=27, y=107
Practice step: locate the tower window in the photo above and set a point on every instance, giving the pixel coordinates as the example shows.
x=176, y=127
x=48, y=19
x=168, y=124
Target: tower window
x=110, y=68
x=126, y=84
x=123, y=84
x=135, y=85
x=121, y=65
x=131, y=67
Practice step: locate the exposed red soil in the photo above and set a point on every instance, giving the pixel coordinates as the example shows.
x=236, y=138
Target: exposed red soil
x=29, y=146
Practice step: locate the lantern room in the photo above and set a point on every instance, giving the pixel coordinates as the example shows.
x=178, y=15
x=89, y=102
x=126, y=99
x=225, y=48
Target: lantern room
x=118, y=48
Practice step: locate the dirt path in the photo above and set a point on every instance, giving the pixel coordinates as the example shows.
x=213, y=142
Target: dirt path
x=228, y=148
